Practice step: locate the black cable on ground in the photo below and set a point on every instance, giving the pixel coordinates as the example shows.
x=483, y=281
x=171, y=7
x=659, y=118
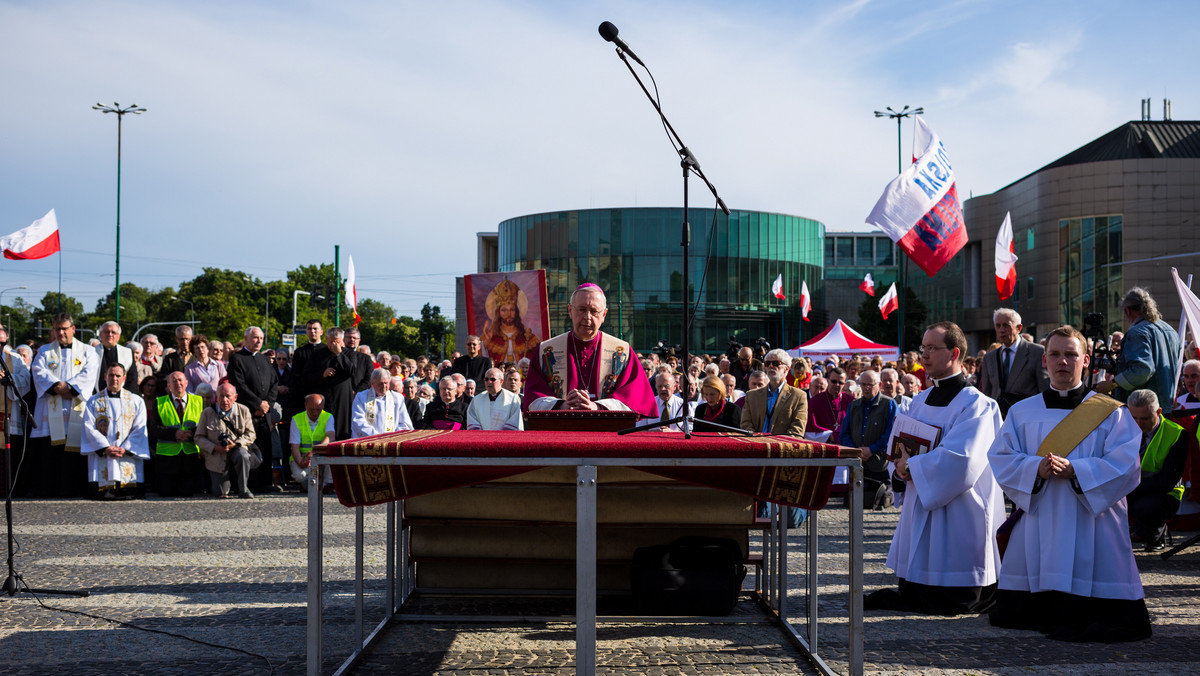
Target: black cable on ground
x=270, y=666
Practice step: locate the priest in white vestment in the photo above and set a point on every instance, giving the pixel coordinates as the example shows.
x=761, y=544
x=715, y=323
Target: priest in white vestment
x=944, y=548
x=1069, y=570
x=378, y=410
x=496, y=408
x=114, y=437
x=64, y=376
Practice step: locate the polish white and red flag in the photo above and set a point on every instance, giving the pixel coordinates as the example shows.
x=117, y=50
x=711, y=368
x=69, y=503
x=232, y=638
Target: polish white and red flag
x=777, y=287
x=352, y=291
x=36, y=241
x=919, y=209
x=805, y=300
x=1006, y=260
x=890, y=301
x=868, y=285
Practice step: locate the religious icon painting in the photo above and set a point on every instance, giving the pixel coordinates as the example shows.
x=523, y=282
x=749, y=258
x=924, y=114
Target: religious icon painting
x=509, y=313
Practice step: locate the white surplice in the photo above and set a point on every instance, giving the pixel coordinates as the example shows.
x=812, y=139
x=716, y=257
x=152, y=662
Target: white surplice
x=502, y=414
x=76, y=366
x=371, y=414
x=1067, y=541
x=124, y=426
x=953, y=505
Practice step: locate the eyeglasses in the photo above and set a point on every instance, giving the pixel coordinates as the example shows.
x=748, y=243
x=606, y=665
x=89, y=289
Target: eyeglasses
x=593, y=312
x=490, y=380
x=931, y=348
x=772, y=362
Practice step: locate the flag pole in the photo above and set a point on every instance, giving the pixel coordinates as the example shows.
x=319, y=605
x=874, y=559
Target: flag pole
x=1182, y=336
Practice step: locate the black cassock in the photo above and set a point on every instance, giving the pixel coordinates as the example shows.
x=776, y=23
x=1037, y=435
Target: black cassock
x=256, y=381
x=338, y=388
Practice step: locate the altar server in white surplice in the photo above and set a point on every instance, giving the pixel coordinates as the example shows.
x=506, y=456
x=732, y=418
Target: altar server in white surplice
x=64, y=376
x=496, y=408
x=378, y=410
x=1069, y=571
x=944, y=548
x=114, y=436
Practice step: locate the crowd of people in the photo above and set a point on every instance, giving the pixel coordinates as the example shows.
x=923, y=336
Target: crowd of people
x=1018, y=423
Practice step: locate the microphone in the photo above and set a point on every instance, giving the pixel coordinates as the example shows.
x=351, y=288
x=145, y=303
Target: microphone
x=609, y=33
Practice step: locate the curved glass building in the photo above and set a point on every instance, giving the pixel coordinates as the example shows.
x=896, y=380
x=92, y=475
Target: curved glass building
x=635, y=254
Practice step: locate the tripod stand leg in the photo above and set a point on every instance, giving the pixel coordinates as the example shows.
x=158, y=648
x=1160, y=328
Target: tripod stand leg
x=1179, y=548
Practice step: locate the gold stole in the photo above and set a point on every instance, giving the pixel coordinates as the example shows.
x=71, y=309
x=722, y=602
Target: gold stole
x=1079, y=423
x=71, y=435
x=389, y=424
x=121, y=471
x=614, y=357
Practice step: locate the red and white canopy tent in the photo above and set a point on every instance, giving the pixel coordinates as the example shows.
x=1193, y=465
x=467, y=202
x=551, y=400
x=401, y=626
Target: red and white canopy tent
x=843, y=341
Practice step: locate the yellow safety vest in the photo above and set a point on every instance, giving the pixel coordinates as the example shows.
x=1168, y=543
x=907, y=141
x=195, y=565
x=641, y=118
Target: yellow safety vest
x=1156, y=452
x=310, y=433
x=170, y=417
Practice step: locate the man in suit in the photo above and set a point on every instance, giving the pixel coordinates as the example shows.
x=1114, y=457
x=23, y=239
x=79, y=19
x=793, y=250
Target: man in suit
x=1013, y=372
x=777, y=408
x=256, y=381
x=364, y=365
x=669, y=403
x=111, y=351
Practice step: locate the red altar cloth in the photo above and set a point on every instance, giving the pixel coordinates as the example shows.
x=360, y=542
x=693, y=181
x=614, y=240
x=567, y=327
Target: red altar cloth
x=797, y=486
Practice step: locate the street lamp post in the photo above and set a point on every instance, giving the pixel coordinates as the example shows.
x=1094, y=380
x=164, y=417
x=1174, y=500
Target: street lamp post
x=7, y=317
x=121, y=112
x=296, y=297
x=190, y=305
x=898, y=116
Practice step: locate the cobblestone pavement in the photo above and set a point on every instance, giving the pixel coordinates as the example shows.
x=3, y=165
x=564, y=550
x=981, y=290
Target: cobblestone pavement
x=232, y=572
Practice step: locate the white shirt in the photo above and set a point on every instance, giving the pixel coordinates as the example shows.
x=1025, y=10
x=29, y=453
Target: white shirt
x=371, y=414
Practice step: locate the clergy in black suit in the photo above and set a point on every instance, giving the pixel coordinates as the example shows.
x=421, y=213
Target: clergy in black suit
x=1015, y=371
x=363, y=364
x=257, y=383
x=472, y=365
x=332, y=367
x=301, y=356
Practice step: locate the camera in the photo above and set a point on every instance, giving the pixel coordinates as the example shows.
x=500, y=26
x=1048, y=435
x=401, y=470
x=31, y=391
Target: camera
x=761, y=347
x=732, y=350
x=1103, y=358
x=225, y=438
x=665, y=350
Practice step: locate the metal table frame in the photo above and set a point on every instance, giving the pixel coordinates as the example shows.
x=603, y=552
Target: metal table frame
x=772, y=591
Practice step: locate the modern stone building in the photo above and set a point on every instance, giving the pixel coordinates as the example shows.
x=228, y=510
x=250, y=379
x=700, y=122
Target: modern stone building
x=1083, y=228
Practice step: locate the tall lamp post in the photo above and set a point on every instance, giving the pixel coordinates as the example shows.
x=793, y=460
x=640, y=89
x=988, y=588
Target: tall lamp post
x=898, y=116
x=120, y=112
x=2, y=292
x=191, y=305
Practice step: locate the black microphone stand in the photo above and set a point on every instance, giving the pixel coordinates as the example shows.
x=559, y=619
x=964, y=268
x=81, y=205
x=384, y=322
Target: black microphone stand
x=14, y=581
x=689, y=165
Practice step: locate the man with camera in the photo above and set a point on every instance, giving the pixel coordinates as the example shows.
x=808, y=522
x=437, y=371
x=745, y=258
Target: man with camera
x=1148, y=352
x=226, y=440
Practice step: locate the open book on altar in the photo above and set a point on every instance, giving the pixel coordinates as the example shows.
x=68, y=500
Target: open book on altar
x=911, y=437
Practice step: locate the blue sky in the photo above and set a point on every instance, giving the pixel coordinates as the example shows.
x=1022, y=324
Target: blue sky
x=399, y=129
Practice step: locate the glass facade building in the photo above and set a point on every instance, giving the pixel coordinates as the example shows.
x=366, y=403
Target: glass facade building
x=635, y=254
x=1086, y=282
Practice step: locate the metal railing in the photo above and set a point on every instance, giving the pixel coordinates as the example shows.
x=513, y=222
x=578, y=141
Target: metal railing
x=771, y=589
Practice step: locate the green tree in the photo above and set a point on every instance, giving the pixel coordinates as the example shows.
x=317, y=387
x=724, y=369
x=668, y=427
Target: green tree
x=872, y=324
x=51, y=306
x=436, y=330
x=224, y=301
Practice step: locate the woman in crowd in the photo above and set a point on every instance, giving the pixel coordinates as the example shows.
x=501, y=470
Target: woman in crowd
x=203, y=368
x=715, y=408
